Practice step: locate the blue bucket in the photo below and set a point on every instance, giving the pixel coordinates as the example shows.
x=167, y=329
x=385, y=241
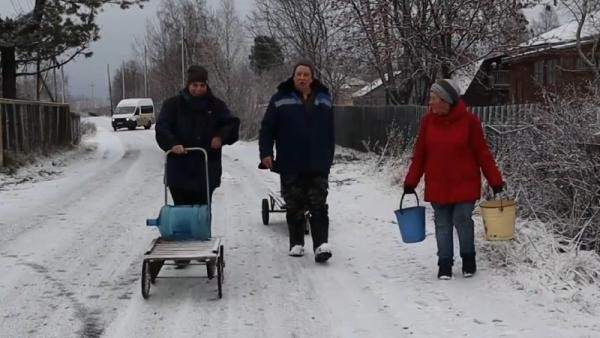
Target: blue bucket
x=411, y=222
x=183, y=222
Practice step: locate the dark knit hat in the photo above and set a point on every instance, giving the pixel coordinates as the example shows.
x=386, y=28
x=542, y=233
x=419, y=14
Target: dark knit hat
x=447, y=90
x=197, y=74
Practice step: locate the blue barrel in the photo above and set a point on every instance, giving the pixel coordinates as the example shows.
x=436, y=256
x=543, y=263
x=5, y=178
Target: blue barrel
x=183, y=222
x=411, y=222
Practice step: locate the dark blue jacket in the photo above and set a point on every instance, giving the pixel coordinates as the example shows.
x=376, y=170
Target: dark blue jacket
x=193, y=122
x=304, y=138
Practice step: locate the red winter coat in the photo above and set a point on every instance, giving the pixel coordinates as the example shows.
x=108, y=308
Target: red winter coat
x=451, y=151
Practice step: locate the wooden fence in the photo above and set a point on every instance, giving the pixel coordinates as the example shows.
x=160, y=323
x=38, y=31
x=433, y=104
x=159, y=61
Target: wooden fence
x=356, y=126
x=29, y=127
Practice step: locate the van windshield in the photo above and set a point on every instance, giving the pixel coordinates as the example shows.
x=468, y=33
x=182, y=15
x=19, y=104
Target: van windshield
x=125, y=110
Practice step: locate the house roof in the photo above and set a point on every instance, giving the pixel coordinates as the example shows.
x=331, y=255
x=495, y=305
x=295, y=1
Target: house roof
x=464, y=75
x=567, y=32
x=353, y=82
x=561, y=37
x=372, y=86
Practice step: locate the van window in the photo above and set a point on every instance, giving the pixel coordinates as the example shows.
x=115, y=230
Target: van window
x=124, y=110
x=147, y=110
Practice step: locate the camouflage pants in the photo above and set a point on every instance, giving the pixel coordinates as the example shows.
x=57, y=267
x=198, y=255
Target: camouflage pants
x=301, y=192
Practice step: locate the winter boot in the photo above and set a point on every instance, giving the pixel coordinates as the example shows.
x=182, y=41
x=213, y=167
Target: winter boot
x=296, y=251
x=445, y=268
x=469, y=267
x=322, y=253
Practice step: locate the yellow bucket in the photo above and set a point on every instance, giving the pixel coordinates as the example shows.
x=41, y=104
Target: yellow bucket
x=498, y=219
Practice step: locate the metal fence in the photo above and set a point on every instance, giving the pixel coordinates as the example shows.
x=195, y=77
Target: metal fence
x=356, y=126
x=29, y=127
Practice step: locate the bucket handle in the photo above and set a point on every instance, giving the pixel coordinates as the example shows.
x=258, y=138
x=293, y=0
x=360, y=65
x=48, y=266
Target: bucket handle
x=402, y=199
x=499, y=194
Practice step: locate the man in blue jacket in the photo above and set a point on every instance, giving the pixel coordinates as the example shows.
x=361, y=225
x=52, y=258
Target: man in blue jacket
x=299, y=123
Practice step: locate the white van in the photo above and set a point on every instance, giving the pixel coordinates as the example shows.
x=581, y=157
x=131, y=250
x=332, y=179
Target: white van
x=132, y=113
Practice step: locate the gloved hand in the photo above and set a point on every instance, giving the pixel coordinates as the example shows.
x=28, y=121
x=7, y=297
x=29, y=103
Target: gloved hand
x=498, y=189
x=409, y=190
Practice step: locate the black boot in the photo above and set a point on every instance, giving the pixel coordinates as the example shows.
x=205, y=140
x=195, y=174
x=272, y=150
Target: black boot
x=445, y=268
x=469, y=267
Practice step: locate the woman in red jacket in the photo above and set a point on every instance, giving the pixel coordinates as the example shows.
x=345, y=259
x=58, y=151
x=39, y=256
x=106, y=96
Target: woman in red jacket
x=452, y=152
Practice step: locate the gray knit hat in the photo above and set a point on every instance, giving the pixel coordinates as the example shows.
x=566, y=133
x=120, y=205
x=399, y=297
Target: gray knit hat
x=447, y=90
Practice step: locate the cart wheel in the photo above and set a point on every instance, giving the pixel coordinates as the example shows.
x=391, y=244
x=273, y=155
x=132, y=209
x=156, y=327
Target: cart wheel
x=220, y=266
x=265, y=211
x=146, y=279
x=222, y=255
x=210, y=269
x=155, y=269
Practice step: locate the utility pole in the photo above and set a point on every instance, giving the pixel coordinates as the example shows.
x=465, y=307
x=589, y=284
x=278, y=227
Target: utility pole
x=123, y=78
x=109, y=90
x=145, y=72
x=92, y=99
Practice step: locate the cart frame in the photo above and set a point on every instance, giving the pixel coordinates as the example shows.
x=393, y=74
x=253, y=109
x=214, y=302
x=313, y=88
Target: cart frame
x=274, y=203
x=161, y=251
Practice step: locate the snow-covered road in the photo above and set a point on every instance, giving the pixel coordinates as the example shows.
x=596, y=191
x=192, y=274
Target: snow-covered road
x=71, y=248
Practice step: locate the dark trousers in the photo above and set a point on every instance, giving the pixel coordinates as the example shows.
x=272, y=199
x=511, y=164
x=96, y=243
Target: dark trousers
x=449, y=216
x=189, y=197
x=301, y=192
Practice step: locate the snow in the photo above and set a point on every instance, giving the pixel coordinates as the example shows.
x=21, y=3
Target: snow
x=71, y=246
x=465, y=75
x=353, y=82
x=533, y=13
x=566, y=33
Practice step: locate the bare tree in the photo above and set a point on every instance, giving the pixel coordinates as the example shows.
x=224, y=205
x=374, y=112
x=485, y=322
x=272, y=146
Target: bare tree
x=229, y=39
x=181, y=28
x=129, y=76
x=553, y=169
x=185, y=33
x=547, y=20
x=53, y=30
x=308, y=29
x=424, y=39
x=587, y=16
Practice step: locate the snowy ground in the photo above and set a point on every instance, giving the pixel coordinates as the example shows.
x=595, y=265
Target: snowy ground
x=71, y=244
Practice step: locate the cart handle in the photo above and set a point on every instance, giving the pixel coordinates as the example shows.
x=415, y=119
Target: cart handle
x=205, y=167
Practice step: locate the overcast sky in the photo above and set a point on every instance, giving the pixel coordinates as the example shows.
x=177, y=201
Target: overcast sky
x=118, y=30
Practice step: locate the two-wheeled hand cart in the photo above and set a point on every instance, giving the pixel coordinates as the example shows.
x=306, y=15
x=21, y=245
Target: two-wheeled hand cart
x=163, y=251
x=274, y=203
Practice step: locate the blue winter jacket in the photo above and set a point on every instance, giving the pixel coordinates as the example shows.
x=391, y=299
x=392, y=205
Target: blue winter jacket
x=304, y=139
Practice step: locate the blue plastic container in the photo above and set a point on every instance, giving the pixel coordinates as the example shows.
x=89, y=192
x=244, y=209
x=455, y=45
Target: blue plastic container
x=183, y=222
x=411, y=222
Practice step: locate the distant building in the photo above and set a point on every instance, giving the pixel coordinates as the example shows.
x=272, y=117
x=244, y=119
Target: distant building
x=549, y=60
x=351, y=85
x=374, y=93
